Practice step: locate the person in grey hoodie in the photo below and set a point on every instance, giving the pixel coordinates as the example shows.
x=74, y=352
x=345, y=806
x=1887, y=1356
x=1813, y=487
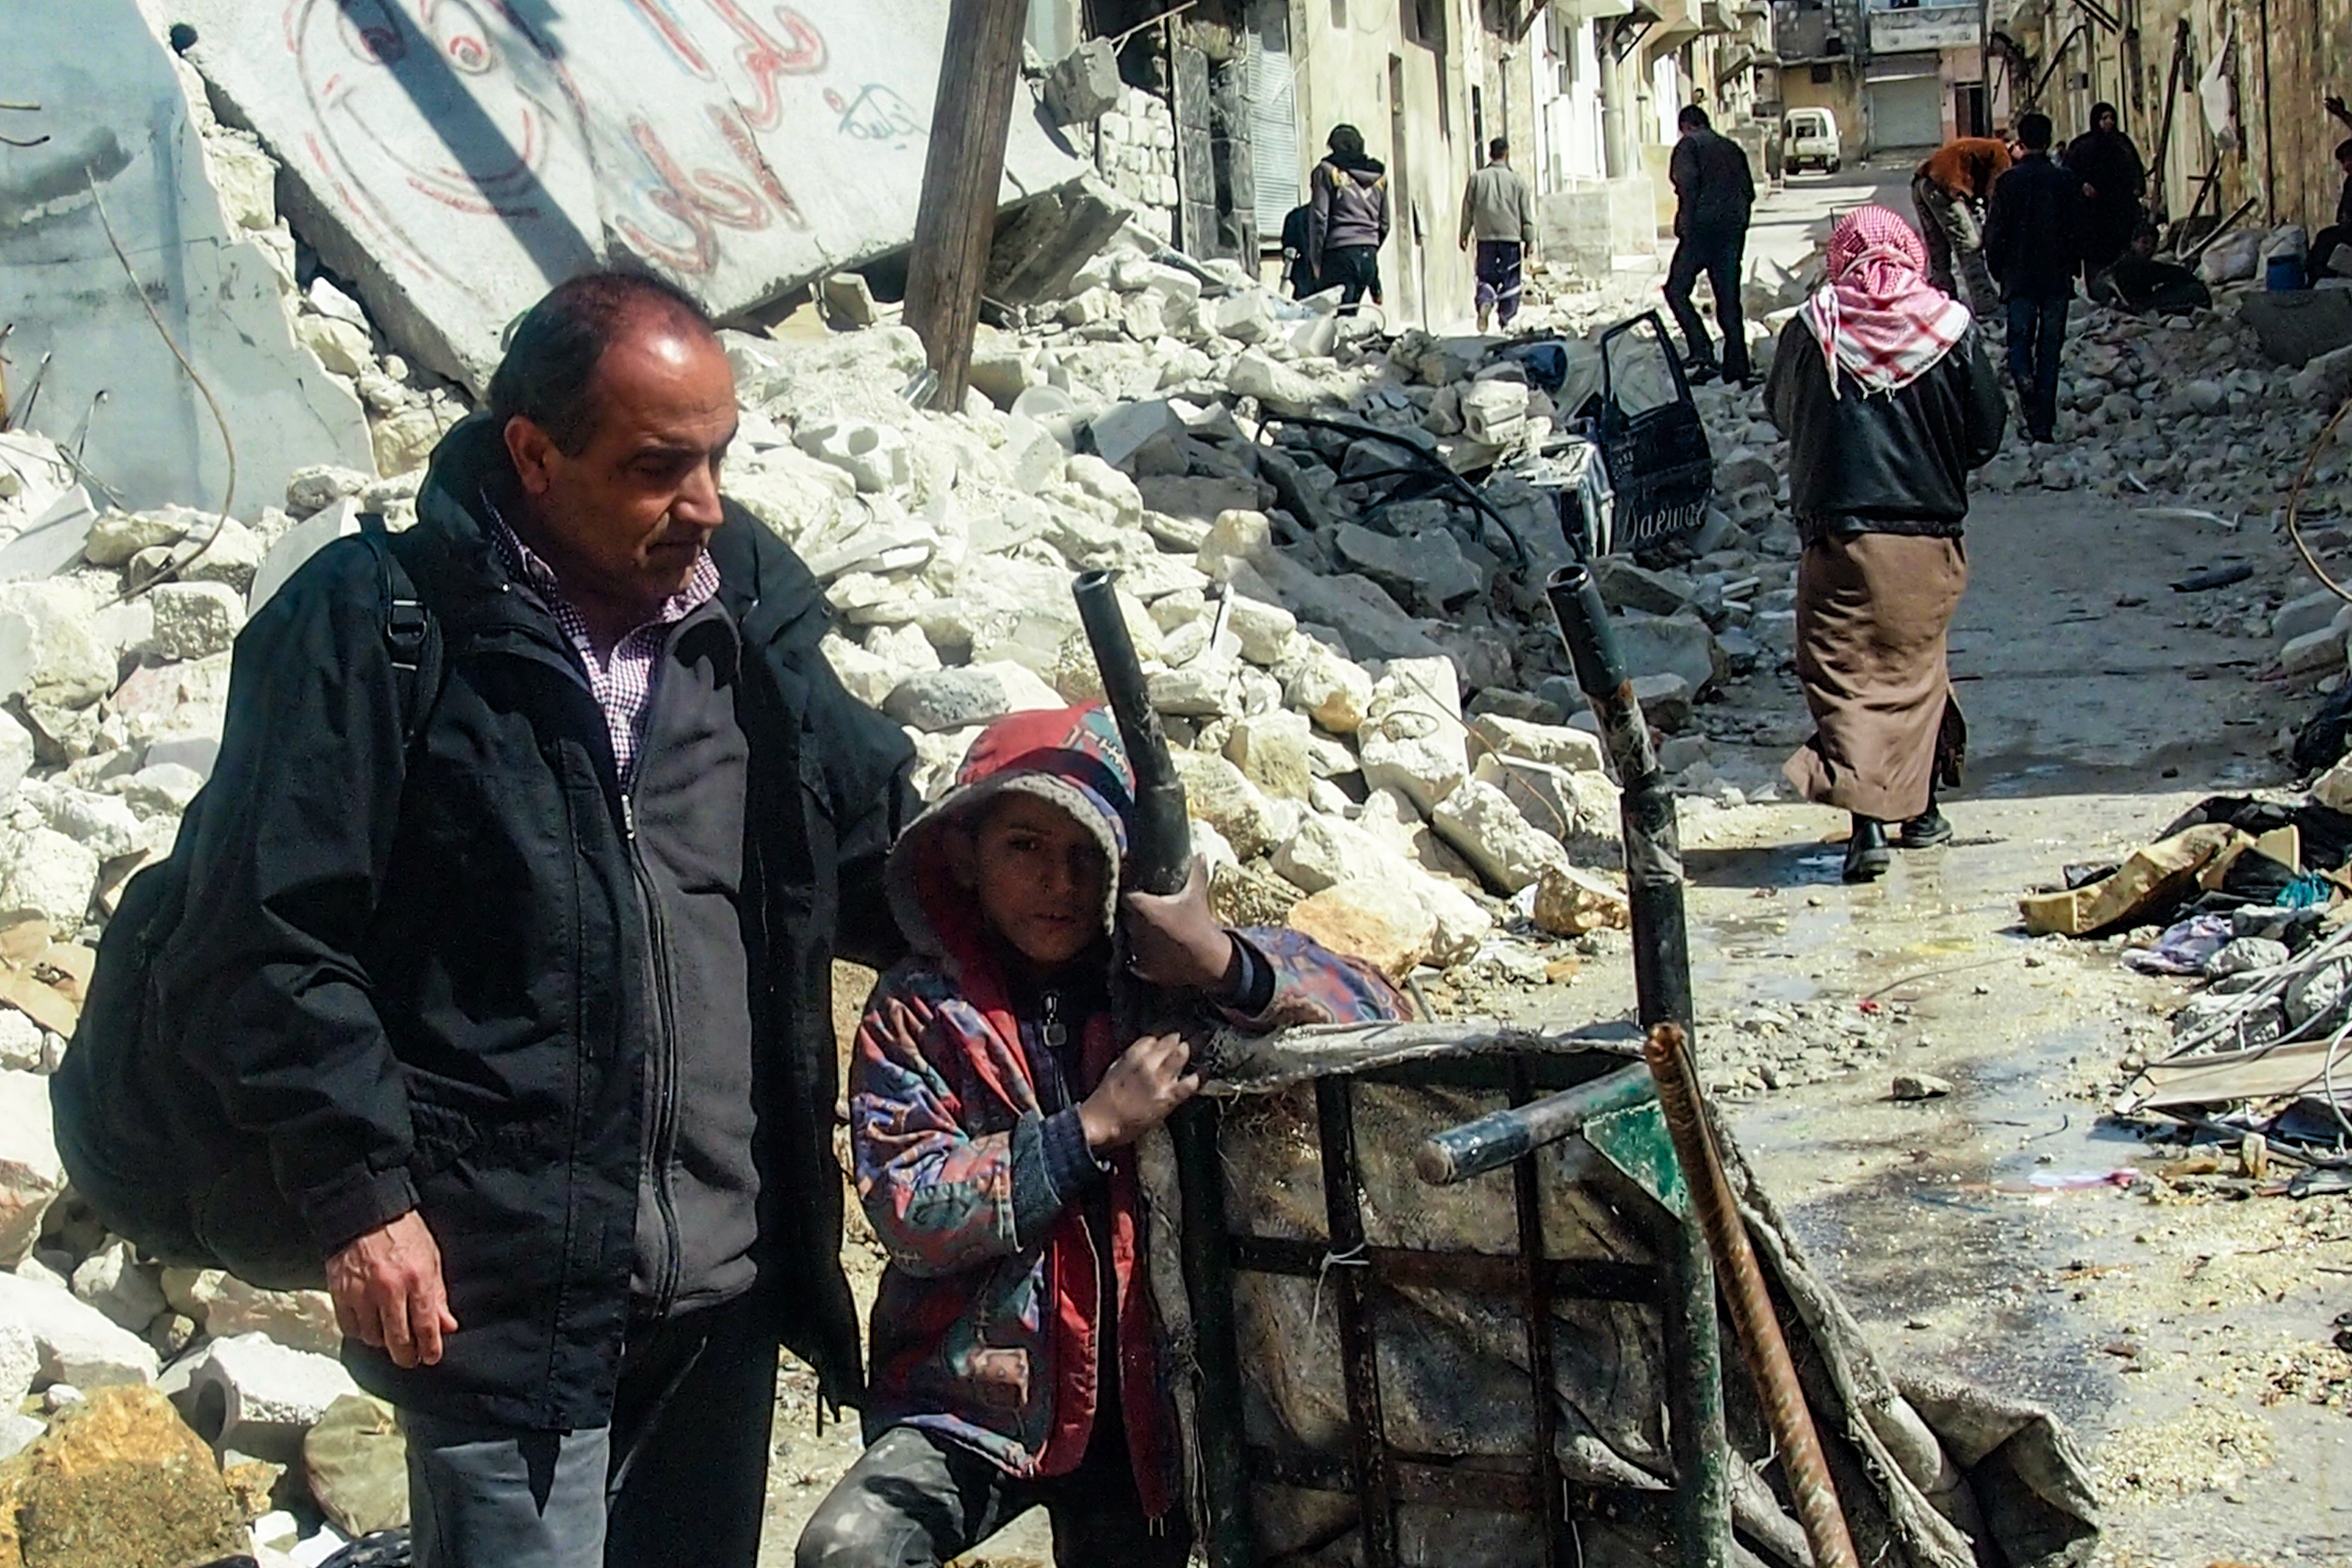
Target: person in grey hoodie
x=1348, y=219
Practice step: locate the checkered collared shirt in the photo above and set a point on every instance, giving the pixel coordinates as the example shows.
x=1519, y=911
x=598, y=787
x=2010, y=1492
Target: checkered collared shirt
x=624, y=680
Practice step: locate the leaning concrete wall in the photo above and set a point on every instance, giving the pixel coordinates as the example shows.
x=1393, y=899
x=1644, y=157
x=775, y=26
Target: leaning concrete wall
x=454, y=160
x=84, y=353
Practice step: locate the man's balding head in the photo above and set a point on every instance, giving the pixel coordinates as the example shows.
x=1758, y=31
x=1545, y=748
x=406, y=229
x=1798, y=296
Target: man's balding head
x=554, y=349
x=616, y=405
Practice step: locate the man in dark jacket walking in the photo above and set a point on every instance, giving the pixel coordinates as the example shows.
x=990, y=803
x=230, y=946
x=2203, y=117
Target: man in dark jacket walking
x=2032, y=243
x=1347, y=220
x=532, y=1011
x=1714, y=191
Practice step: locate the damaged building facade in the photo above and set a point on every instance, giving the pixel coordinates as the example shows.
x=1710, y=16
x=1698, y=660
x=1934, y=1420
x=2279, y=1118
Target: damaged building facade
x=1898, y=74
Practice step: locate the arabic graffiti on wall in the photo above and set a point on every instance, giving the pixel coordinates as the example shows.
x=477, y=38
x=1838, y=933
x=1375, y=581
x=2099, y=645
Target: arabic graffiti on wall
x=477, y=105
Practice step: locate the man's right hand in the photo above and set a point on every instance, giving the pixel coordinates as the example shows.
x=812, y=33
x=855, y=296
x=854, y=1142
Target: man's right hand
x=1142, y=1089
x=389, y=1294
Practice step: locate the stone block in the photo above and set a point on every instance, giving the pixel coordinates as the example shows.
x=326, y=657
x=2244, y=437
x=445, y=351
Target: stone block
x=355, y=1465
x=1327, y=851
x=1481, y=823
x=1428, y=568
x=1624, y=586
x=1494, y=412
x=193, y=619
x=2313, y=654
x=1670, y=645
x=1271, y=750
x=937, y=700
x=52, y=540
x=120, y=1480
x=226, y=1306
x=1265, y=631
x=116, y=536
x=257, y=1397
x=1569, y=903
x=1276, y=385
x=1246, y=317
x=1377, y=919
x=1220, y=794
x=44, y=871
x=31, y=1175
x=113, y=1281
x=874, y=456
x=1666, y=700
x=2308, y=614
x=2297, y=327
x=1125, y=429
x=78, y=1345
x=49, y=654
x=1412, y=736
x=1084, y=83
x=1573, y=751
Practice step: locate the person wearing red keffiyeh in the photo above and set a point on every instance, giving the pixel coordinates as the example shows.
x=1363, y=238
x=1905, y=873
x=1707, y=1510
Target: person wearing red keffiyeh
x=1886, y=397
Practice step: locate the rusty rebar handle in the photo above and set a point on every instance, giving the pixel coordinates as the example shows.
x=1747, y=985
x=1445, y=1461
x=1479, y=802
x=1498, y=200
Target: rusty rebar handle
x=1801, y=1458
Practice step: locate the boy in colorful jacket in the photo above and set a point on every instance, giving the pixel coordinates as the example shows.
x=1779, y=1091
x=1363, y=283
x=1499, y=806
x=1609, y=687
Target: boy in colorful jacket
x=994, y=1116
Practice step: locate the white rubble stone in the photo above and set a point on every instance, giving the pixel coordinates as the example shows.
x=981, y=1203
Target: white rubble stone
x=874, y=456
x=797, y=496
x=222, y=552
x=330, y=522
x=19, y=1364
x=265, y=1395
x=1482, y=823
x=1411, y=739
x=116, y=536
x=1270, y=749
x=1390, y=816
x=1460, y=925
x=1263, y=631
x=1569, y=902
x=226, y=1306
x=1277, y=386
x=163, y=788
x=44, y=871
x=105, y=823
x=31, y=1175
x=1220, y=796
x=1544, y=795
x=1246, y=317
x=193, y=619
x=112, y=1281
x=341, y=347
x=1125, y=429
x=1375, y=919
x=78, y=1345
x=2314, y=653
x=18, y=1433
x=1327, y=851
x=16, y=753
x=1329, y=689
x=23, y=1048
x=2308, y=614
x=1670, y=645
x=865, y=676
x=1557, y=746
x=1494, y=412
x=49, y=653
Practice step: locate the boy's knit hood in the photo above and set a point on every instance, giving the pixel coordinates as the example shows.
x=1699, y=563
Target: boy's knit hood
x=1069, y=757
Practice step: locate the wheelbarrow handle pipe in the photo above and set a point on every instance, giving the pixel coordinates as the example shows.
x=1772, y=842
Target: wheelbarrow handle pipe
x=1742, y=1281
x=1159, y=851
x=1645, y=805
x=1494, y=1141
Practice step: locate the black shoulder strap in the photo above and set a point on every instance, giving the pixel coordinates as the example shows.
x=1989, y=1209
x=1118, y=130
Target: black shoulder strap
x=411, y=633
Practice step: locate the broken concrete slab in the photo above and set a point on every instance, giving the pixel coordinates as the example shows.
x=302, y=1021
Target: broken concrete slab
x=454, y=165
x=122, y=151
x=2298, y=326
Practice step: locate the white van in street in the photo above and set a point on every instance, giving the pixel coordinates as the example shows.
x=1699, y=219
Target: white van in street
x=1809, y=139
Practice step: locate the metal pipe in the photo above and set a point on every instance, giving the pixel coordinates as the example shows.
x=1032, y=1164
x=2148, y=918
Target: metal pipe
x=1160, y=834
x=1803, y=1461
x=1645, y=805
x=1494, y=1141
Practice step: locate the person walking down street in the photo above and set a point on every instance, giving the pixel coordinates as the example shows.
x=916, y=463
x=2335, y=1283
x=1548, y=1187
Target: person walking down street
x=1713, y=193
x=2336, y=236
x=2034, y=244
x=1296, y=274
x=1886, y=399
x=2114, y=179
x=1949, y=192
x=531, y=1009
x=1498, y=214
x=1348, y=219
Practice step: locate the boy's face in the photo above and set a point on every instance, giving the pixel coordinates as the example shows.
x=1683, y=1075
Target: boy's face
x=1040, y=877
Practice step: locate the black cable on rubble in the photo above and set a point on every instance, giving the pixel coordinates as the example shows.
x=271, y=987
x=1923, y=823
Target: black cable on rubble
x=2295, y=502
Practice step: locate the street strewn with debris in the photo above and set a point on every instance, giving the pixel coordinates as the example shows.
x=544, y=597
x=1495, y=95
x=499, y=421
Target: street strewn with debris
x=1331, y=534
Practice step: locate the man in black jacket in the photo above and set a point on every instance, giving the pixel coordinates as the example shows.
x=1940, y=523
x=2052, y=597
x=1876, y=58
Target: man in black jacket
x=533, y=1013
x=2032, y=243
x=1713, y=190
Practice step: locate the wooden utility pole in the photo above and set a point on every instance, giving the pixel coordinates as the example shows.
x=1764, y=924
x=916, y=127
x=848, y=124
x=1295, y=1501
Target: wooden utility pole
x=980, y=72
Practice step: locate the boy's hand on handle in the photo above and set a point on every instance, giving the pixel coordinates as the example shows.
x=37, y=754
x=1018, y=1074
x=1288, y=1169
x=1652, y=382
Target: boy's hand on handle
x=1174, y=940
x=389, y=1294
x=1142, y=1089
